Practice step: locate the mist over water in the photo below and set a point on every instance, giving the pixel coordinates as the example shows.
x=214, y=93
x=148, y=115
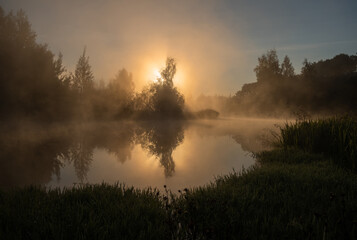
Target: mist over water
x=141, y=154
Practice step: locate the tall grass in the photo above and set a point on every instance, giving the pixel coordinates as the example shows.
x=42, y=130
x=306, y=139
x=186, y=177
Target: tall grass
x=83, y=212
x=335, y=137
x=274, y=201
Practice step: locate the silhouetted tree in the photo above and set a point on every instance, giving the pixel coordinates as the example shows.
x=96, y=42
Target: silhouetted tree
x=308, y=69
x=61, y=71
x=287, y=68
x=162, y=98
x=30, y=81
x=268, y=67
x=83, y=76
x=122, y=86
x=169, y=72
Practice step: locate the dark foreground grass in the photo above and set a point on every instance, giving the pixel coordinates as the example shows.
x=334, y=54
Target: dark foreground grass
x=276, y=201
x=335, y=137
x=87, y=212
x=291, y=193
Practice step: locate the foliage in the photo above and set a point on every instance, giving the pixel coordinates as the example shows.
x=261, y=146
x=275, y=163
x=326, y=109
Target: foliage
x=334, y=137
x=31, y=85
x=268, y=66
x=326, y=87
x=287, y=69
x=83, y=76
x=168, y=73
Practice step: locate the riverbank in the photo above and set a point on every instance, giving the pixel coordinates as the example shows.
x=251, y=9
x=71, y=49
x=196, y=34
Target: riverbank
x=292, y=192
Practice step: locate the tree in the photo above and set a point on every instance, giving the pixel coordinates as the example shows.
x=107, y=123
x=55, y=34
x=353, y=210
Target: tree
x=308, y=69
x=83, y=76
x=122, y=86
x=287, y=68
x=268, y=67
x=61, y=71
x=162, y=98
x=169, y=71
x=30, y=81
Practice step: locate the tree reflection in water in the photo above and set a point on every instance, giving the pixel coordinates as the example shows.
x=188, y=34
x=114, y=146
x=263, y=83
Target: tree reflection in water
x=34, y=158
x=25, y=161
x=117, y=139
x=81, y=155
x=161, y=139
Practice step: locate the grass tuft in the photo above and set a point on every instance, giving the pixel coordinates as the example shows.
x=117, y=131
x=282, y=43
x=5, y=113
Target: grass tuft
x=335, y=138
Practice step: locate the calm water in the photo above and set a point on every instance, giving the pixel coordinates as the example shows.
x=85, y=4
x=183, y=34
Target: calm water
x=176, y=154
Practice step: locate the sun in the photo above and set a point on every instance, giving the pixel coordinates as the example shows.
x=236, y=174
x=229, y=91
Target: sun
x=157, y=75
x=152, y=73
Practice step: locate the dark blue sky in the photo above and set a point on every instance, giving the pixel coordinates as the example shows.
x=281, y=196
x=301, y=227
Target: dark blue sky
x=216, y=43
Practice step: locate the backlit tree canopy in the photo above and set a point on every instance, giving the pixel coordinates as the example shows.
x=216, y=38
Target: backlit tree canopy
x=162, y=98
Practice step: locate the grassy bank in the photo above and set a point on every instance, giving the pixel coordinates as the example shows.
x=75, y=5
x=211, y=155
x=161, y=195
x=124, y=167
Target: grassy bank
x=335, y=138
x=292, y=193
x=87, y=212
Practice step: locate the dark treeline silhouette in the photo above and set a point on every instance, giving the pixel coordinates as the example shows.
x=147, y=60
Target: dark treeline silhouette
x=322, y=88
x=31, y=81
x=35, y=86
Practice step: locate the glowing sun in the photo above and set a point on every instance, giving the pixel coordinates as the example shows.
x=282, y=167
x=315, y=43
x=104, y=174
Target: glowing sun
x=157, y=75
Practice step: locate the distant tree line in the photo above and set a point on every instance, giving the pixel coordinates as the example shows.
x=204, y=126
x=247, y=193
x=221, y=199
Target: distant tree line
x=34, y=84
x=322, y=88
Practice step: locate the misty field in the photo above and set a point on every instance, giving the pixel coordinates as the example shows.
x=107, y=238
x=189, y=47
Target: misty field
x=292, y=192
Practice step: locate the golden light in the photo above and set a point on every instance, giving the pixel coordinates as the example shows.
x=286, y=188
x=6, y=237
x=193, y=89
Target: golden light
x=151, y=67
x=157, y=75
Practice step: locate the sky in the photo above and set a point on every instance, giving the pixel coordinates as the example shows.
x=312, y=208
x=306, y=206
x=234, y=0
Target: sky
x=216, y=44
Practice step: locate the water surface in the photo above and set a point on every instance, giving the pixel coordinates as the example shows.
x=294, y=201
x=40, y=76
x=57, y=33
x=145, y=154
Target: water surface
x=141, y=154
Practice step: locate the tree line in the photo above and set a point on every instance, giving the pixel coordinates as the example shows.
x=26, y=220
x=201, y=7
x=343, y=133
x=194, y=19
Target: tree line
x=326, y=87
x=35, y=85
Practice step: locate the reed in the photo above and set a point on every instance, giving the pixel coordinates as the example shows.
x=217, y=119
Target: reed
x=335, y=138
